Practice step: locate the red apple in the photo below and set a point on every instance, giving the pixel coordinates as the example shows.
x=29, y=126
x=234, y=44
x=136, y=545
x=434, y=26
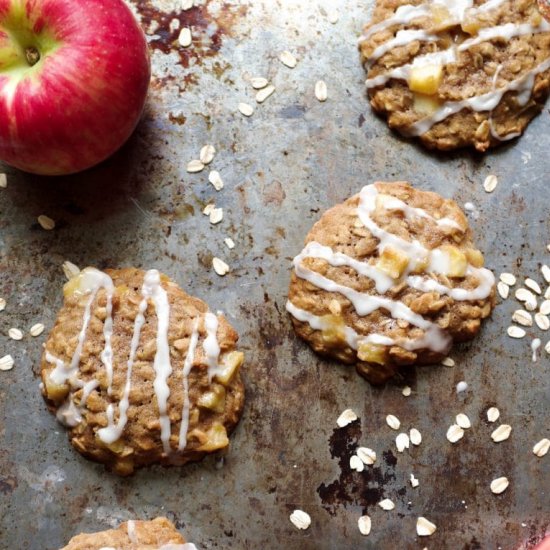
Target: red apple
x=73, y=80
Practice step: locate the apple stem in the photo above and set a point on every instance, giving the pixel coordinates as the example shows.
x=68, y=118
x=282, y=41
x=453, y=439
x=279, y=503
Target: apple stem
x=32, y=55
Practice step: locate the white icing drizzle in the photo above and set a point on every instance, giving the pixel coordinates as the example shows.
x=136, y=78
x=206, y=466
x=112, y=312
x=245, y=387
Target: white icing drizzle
x=113, y=431
x=187, y=365
x=69, y=414
x=457, y=10
x=152, y=289
x=107, y=353
x=210, y=345
x=131, y=529
x=402, y=38
x=87, y=389
x=438, y=262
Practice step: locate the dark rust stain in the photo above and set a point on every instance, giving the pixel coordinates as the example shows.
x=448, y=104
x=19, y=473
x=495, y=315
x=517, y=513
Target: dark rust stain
x=358, y=488
x=8, y=484
x=207, y=30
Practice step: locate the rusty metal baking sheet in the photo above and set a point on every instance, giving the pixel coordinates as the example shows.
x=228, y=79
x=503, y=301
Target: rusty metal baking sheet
x=282, y=167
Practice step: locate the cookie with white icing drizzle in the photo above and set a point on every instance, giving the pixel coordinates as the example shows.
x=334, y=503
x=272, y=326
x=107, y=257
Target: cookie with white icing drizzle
x=140, y=371
x=457, y=73
x=388, y=279
x=156, y=534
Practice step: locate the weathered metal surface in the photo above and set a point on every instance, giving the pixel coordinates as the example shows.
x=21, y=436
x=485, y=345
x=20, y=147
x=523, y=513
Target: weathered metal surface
x=282, y=167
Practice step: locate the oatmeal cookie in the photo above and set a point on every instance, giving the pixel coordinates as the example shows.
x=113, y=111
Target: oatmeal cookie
x=140, y=371
x=390, y=278
x=157, y=534
x=457, y=73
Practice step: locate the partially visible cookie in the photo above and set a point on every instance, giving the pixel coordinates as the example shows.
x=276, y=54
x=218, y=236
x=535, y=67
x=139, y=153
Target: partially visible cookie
x=157, y=534
x=140, y=371
x=457, y=73
x=390, y=278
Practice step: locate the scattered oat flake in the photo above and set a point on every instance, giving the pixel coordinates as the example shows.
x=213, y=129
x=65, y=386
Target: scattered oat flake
x=259, y=82
x=490, y=183
x=527, y=297
x=454, y=433
x=206, y=155
x=493, y=414
x=300, y=519
x=414, y=481
x=547, y=293
x=3, y=181
x=424, y=527
x=547, y=348
x=402, y=442
x=246, y=109
x=185, y=39
x=186, y=4
x=220, y=267
x=535, y=345
x=386, y=504
x=462, y=386
x=216, y=180
x=208, y=208
x=70, y=270
x=15, y=334
x=499, y=485
x=515, y=332
x=415, y=436
x=406, y=391
x=195, y=166
x=263, y=94
x=508, y=279
x=542, y=321
x=368, y=456
x=364, y=523
x=503, y=290
x=36, y=330
x=502, y=433
x=46, y=222
x=321, y=92
x=6, y=363
x=463, y=421
x=355, y=463
x=545, y=270
x=332, y=16
x=522, y=317
x=448, y=362
x=216, y=215
x=229, y=243
x=288, y=59
x=540, y=448
x=393, y=422
x=2, y=304
x=533, y=285
x=346, y=418
x=545, y=307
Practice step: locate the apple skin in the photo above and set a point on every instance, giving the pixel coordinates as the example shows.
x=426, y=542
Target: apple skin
x=83, y=98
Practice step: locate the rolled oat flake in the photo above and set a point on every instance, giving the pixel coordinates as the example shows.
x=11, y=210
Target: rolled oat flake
x=424, y=527
x=502, y=433
x=300, y=519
